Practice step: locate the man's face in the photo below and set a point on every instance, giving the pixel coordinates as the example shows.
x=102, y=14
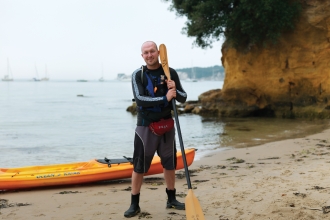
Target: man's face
x=150, y=54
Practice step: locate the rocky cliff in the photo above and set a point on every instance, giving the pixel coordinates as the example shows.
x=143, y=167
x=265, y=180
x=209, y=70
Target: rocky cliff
x=289, y=79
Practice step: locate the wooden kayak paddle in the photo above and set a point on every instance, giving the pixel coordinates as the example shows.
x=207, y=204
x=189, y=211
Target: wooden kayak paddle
x=193, y=208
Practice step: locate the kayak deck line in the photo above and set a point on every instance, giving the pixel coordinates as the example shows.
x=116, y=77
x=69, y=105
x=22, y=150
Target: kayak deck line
x=115, y=161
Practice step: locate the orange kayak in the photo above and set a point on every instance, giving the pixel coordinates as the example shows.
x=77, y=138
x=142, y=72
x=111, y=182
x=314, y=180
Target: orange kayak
x=78, y=173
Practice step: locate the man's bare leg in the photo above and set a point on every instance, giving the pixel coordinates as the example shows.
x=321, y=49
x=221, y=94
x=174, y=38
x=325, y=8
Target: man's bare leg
x=169, y=176
x=137, y=179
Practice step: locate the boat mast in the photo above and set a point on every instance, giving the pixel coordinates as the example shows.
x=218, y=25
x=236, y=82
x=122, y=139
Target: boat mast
x=9, y=72
x=37, y=78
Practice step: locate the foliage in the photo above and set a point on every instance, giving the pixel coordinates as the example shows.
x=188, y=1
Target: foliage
x=242, y=22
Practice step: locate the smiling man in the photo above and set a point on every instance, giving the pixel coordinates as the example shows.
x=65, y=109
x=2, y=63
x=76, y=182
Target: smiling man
x=153, y=94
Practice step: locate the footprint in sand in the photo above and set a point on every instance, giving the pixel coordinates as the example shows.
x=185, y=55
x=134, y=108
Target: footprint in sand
x=286, y=173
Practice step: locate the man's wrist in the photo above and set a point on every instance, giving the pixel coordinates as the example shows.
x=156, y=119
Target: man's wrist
x=165, y=101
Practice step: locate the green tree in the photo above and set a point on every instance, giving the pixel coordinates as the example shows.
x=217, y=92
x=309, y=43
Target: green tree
x=243, y=23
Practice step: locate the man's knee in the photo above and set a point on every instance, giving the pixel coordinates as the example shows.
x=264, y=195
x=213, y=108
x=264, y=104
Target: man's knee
x=141, y=165
x=138, y=165
x=169, y=163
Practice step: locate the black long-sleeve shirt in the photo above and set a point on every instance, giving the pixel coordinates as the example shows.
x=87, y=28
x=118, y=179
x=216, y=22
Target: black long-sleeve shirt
x=145, y=100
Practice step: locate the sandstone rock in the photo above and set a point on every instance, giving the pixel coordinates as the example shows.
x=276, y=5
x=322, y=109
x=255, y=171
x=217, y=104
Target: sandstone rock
x=290, y=79
x=188, y=108
x=132, y=108
x=196, y=110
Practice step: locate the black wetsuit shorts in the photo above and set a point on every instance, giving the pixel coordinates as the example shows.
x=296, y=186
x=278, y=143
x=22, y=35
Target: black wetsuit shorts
x=146, y=144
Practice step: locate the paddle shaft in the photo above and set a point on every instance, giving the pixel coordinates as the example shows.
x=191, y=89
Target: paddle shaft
x=193, y=209
x=166, y=68
x=181, y=144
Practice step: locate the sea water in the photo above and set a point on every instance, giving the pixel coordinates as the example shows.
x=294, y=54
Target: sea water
x=66, y=121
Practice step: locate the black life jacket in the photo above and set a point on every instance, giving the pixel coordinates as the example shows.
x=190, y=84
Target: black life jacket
x=154, y=87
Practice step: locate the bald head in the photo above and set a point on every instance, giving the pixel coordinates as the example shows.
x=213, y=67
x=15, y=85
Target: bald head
x=149, y=44
x=150, y=54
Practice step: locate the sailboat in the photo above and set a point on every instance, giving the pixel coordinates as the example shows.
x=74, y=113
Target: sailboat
x=102, y=79
x=193, y=75
x=9, y=76
x=46, y=75
x=37, y=75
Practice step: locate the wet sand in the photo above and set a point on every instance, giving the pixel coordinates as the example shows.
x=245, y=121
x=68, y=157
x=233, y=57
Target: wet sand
x=287, y=179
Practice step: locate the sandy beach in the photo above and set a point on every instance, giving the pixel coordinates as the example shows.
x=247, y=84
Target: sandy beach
x=287, y=179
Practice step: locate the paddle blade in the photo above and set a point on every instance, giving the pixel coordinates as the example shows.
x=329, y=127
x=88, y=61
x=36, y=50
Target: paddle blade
x=164, y=60
x=193, y=209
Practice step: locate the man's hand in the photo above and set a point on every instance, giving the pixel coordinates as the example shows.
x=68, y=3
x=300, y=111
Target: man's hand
x=171, y=93
x=170, y=84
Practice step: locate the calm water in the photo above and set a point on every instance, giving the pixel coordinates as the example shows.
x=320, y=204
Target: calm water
x=47, y=123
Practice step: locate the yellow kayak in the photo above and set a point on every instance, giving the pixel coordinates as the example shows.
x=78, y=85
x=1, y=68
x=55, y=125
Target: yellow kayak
x=78, y=173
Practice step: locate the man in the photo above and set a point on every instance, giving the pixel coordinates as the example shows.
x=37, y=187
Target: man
x=153, y=97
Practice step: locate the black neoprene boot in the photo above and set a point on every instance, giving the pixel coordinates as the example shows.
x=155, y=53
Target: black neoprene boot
x=134, y=209
x=172, y=202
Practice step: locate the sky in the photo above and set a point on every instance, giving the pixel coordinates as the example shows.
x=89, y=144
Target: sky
x=85, y=39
